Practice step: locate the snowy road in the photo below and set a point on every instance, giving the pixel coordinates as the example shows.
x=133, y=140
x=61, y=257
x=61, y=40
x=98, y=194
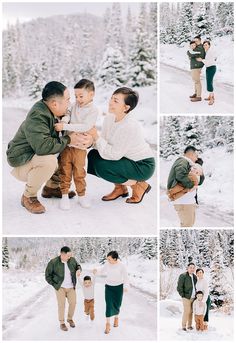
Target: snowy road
x=38, y=320
x=206, y=215
x=175, y=87
x=103, y=218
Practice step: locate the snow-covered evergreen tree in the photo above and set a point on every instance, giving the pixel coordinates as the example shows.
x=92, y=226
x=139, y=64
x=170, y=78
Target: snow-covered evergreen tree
x=192, y=133
x=171, y=138
x=5, y=254
x=148, y=248
x=184, y=24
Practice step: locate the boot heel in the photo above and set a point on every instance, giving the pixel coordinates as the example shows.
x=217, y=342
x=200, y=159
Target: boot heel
x=148, y=189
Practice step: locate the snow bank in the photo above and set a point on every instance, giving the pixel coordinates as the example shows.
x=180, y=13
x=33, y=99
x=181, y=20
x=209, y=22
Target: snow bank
x=176, y=56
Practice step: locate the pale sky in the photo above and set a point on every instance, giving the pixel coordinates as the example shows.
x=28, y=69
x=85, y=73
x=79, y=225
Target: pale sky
x=26, y=11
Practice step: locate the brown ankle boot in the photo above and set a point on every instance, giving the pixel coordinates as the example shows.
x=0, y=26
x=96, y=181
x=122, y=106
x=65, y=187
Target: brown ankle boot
x=197, y=98
x=48, y=192
x=72, y=324
x=139, y=190
x=118, y=191
x=32, y=204
x=63, y=327
x=108, y=328
x=116, y=322
x=208, y=98
x=193, y=96
x=211, y=100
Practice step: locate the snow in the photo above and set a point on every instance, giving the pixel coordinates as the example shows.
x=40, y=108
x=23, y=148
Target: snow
x=21, y=322
x=215, y=195
x=99, y=219
x=220, y=325
x=176, y=84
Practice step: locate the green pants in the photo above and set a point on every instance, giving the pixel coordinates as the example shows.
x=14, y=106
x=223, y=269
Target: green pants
x=208, y=303
x=120, y=171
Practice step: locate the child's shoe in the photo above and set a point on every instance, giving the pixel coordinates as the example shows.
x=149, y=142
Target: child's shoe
x=84, y=201
x=64, y=202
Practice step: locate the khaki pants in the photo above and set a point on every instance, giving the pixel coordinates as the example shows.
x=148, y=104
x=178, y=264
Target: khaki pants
x=62, y=294
x=72, y=163
x=196, y=73
x=188, y=313
x=186, y=214
x=89, y=308
x=199, y=321
x=35, y=173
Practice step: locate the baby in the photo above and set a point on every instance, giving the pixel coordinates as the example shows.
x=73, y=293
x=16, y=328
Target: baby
x=194, y=175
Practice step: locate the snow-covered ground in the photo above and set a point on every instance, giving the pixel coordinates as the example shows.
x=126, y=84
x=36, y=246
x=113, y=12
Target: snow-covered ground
x=103, y=217
x=215, y=195
x=176, y=84
x=221, y=326
x=21, y=319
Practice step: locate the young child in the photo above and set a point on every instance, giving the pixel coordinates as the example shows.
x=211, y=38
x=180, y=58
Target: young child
x=194, y=175
x=87, y=285
x=199, y=310
x=82, y=118
x=192, y=47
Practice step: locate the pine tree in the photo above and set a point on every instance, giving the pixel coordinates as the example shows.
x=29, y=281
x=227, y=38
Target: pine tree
x=148, y=249
x=5, y=254
x=142, y=71
x=170, y=140
x=184, y=24
x=192, y=133
x=201, y=21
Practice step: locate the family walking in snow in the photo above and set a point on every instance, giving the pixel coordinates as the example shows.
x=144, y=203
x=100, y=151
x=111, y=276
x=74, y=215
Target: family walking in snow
x=62, y=273
x=201, y=54
x=185, y=176
x=194, y=291
x=51, y=146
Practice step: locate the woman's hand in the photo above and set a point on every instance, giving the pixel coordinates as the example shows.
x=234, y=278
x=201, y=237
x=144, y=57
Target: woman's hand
x=58, y=127
x=93, y=132
x=199, y=59
x=125, y=290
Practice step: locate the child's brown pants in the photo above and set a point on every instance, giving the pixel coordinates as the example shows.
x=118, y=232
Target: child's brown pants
x=199, y=321
x=72, y=163
x=89, y=308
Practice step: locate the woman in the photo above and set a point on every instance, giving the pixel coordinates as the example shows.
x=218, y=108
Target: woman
x=121, y=154
x=210, y=63
x=202, y=285
x=116, y=279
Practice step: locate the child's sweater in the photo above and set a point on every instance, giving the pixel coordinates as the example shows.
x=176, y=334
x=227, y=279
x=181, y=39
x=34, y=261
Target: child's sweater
x=88, y=291
x=199, y=310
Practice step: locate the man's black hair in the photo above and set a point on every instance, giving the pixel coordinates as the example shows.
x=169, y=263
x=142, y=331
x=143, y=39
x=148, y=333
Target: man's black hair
x=53, y=89
x=191, y=264
x=189, y=148
x=65, y=250
x=198, y=37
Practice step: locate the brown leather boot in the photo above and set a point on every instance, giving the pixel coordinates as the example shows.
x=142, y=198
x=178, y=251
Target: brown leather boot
x=118, y=191
x=32, y=204
x=116, y=322
x=211, y=100
x=72, y=324
x=139, y=190
x=48, y=192
x=208, y=98
x=108, y=328
x=197, y=98
x=63, y=327
x=193, y=96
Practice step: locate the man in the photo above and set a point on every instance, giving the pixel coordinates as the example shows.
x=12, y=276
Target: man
x=196, y=68
x=186, y=289
x=185, y=206
x=61, y=274
x=34, y=149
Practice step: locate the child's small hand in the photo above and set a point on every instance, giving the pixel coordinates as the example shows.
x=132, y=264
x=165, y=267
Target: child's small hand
x=59, y=126
x=78, y=273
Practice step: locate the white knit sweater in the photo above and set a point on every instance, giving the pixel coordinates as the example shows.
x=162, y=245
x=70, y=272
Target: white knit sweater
x=210, y=58
x=116, y=274
x=122, y=139
x=202, y=285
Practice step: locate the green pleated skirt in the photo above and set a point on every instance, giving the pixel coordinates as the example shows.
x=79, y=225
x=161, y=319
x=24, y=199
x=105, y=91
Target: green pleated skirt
x=120, y=171
x=113, y=298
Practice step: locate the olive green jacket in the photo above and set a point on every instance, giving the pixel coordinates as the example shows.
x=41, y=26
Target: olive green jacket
x=55, y=271
x=179, y=174
x=194, y=64
x=36, y=135
x=185, y=285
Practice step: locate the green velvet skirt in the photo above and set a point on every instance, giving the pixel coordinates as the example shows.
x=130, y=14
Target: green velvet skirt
x=113, y=298
x=120, y=171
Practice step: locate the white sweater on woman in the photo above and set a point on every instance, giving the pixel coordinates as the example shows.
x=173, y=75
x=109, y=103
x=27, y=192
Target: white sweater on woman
x=202, y=285
x=116, y=274
x=122, y=139
x=210, y=58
